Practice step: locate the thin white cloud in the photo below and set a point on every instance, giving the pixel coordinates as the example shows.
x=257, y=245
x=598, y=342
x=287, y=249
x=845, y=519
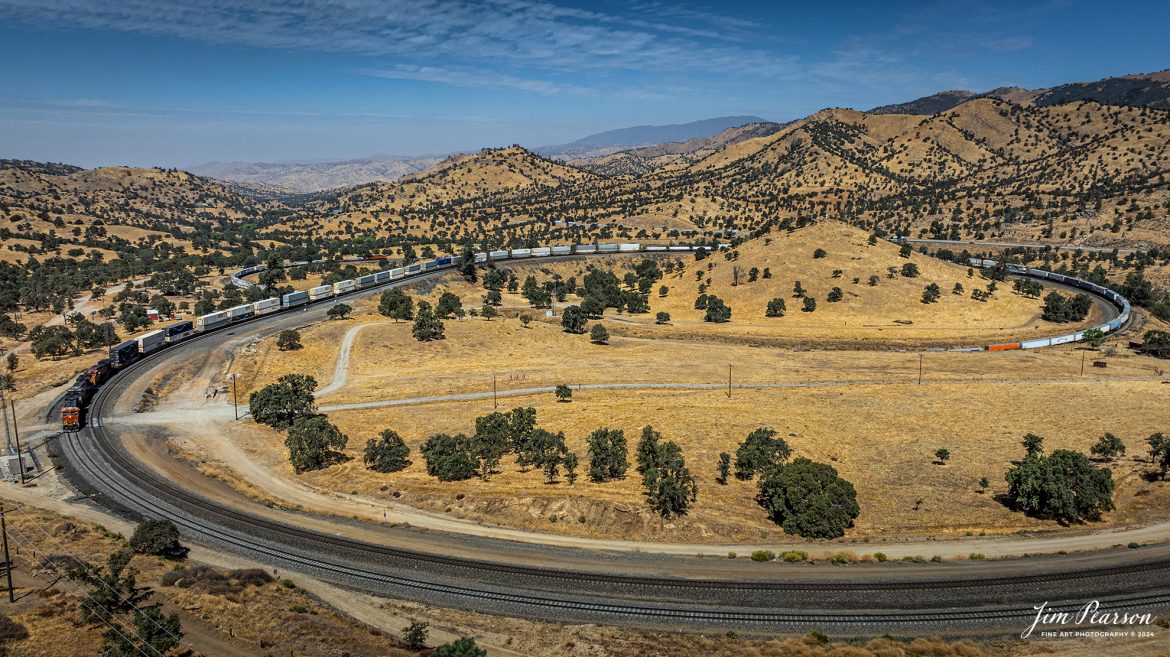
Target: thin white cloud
x=532, y=33
x=461, y=78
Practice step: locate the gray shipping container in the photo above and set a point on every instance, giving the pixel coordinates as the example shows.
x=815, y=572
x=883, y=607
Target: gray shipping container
x=294, y=299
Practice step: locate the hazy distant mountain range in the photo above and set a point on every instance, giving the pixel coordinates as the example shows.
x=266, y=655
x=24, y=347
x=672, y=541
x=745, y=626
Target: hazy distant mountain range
x=641, y=149
x=268, y=178
x=644, y=159
x=612, y=141
x=307, y=177
x=1139, y=90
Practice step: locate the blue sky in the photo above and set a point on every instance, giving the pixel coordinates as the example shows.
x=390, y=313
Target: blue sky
x=181, y=82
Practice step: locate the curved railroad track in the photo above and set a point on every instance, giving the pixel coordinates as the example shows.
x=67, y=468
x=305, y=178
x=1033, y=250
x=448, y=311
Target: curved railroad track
x=565, y=585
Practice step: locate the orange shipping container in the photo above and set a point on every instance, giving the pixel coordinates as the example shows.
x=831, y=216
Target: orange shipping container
x=1003, y=347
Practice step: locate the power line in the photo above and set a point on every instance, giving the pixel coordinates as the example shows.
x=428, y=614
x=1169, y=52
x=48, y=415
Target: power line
x=96, y=576
x=87, y=604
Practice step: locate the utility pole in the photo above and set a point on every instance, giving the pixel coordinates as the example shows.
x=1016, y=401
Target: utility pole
x=920, y=357
x=4, y=412
x=495, y=401
x=729, y=380
x=1082, y=362
x=235, y=402
x=16, y=434
x=7, y=560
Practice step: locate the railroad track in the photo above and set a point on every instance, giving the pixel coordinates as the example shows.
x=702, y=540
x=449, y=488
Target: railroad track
x=975, y=597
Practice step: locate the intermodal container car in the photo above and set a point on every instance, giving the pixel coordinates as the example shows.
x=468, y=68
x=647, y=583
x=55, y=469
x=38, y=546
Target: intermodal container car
x=240, y=313
x=1003, y=347
x=294, y=299
x=179, y=332
x=151, y=342
x=124, y=354
x=266, y=306
x=212, y=320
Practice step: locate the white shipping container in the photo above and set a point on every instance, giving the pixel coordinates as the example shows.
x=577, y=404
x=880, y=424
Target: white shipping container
x=212, y=320
x=267, y=306
x=323, y=292
x=521, y=253
x=481, y=257
x=241, y=312
x=562, y=250
x=153, y=341
x=541, y=252
x=341, y=287
x=607, y=248
x=627, y=248
x=586, y=248
x=496, y=255
x=397, y=273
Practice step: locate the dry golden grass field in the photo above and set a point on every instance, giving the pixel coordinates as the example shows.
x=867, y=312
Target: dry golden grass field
x=877, y=426
x=262, y=618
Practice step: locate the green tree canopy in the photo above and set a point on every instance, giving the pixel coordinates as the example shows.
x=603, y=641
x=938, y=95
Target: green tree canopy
x=388, y=453
x=1064, y=486
x=599, y=334
x=808, y=499
x=449, y=305
x=340, y=311
x=607, y=454
x=449, y=458
x=761, y=448
x=464, y=647
x=156, y=537
x=717, y=311
x=280, y=404
x=288, y=339
x=395, y=304
x=573, y=320
x=669, y=483
x=776, y=308
x=427, y=326
x=1108, y=446
x=314, y=443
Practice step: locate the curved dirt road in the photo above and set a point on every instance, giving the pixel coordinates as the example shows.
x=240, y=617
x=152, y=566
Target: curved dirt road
x=341, y=368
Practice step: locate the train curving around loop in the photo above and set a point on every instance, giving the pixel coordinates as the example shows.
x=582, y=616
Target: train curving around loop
x=1124, y=309
x=77, y=398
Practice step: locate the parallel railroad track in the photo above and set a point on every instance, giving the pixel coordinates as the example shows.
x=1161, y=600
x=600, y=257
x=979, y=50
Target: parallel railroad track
x=915, y=603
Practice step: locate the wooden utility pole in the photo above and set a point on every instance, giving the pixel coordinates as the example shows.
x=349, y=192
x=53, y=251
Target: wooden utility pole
x=729, y=380
x=1082, y=362
x=16, y=434
x=495, y=401
x=4, y=412
x=7, y=560
x=920, y=357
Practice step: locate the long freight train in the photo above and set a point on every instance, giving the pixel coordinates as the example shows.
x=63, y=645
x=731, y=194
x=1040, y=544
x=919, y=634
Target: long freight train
x=1124, y=309
x=77, y=398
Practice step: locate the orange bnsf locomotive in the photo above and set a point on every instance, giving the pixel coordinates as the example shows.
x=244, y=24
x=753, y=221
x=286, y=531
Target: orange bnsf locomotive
x=77, y=398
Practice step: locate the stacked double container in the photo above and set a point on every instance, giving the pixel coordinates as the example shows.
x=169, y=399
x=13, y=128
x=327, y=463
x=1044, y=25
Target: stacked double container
x=152, y=342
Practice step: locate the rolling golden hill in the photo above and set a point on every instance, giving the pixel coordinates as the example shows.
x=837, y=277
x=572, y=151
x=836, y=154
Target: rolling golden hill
x=56, y=210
